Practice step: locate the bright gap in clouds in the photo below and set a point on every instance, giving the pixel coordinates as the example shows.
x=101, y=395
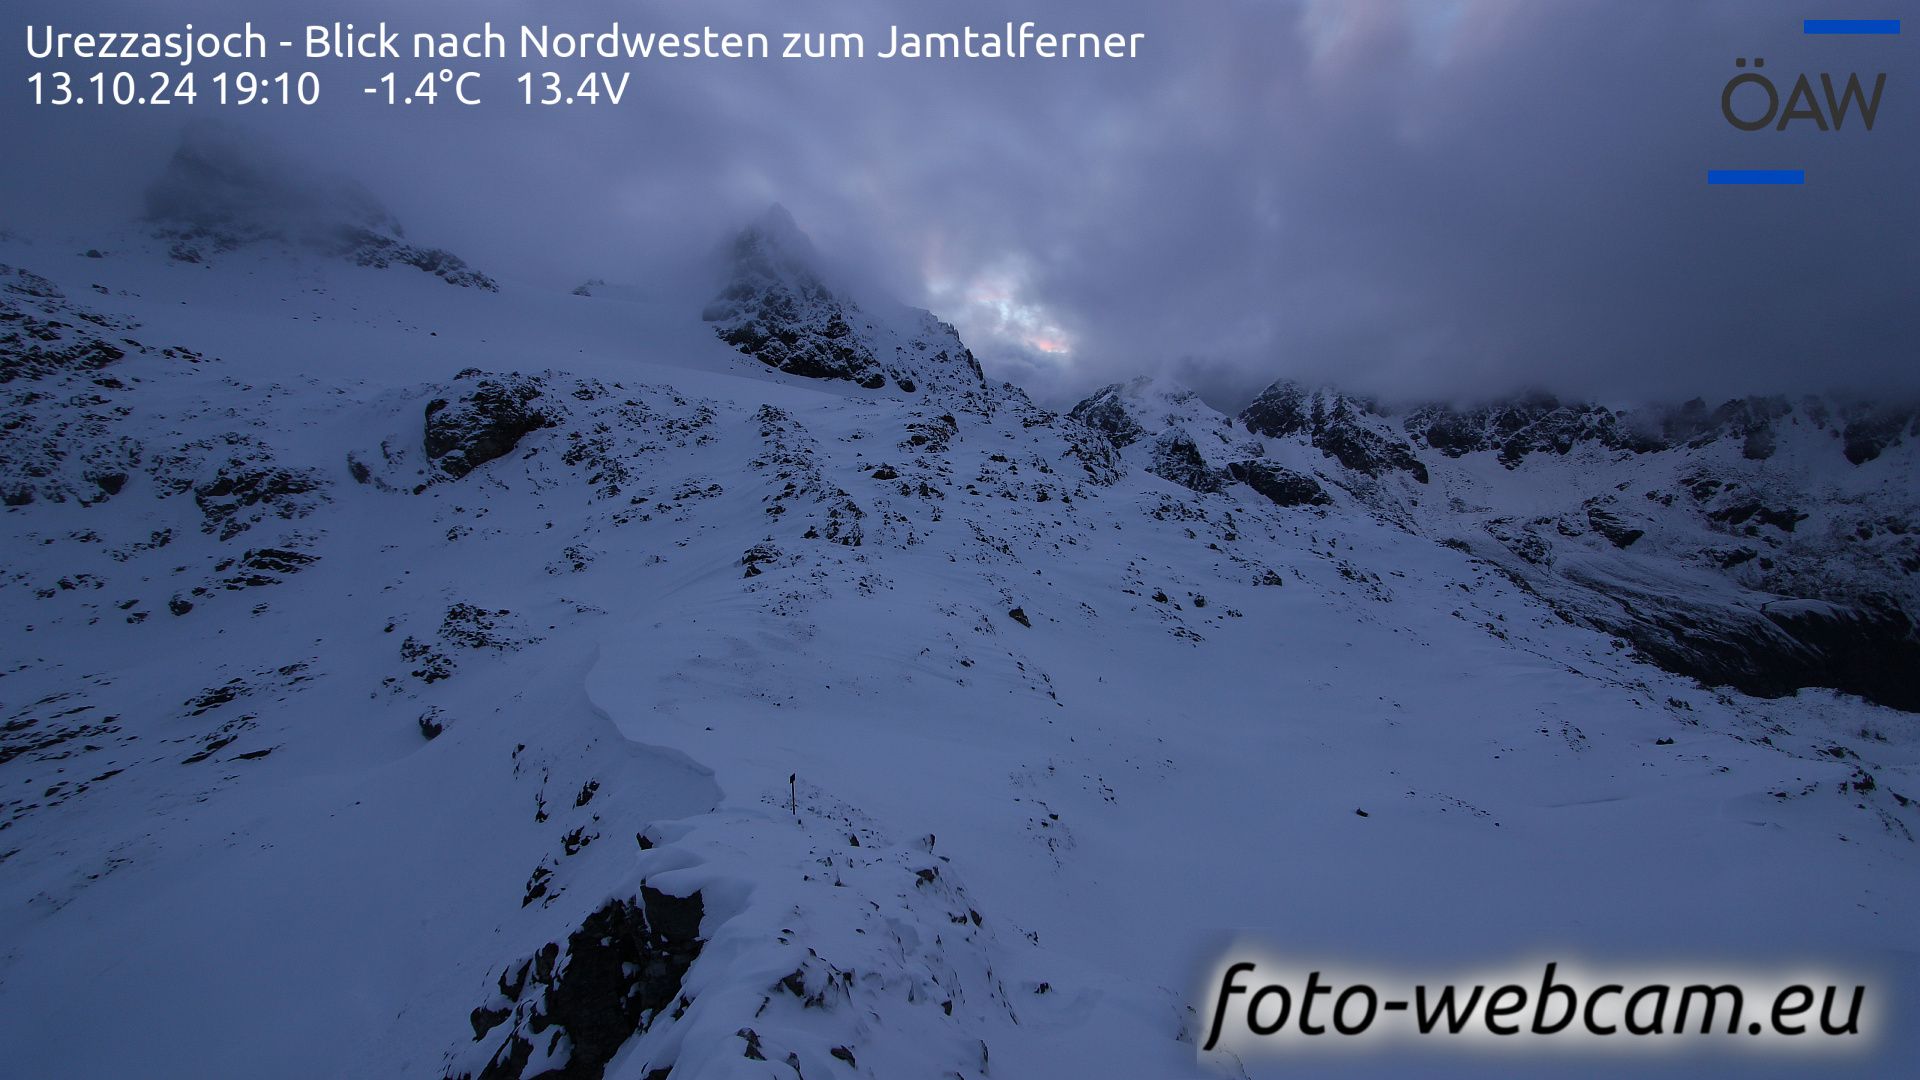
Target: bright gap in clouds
x=993, y=310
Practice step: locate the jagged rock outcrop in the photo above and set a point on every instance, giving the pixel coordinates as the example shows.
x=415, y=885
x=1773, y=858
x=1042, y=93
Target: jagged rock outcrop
x=1607, y=522
x=568, y=1011
x=363, y=247
x=1282, y=487
x=1526, y=424
x=1109, y=413
x=1760, y=646
x=1347, y=429
x=1869, y=431
x=485, y=421
x=1177, y=457
x=1697, y=547
x=1537, y=422
x=776, y=307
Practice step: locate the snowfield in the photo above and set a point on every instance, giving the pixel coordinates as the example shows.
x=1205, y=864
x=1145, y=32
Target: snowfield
x=405, y=679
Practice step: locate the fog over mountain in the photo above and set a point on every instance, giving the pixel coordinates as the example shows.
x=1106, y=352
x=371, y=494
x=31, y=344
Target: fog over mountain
x=1451, y=197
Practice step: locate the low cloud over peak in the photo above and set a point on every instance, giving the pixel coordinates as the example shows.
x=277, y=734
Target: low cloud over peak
x=1447, y=198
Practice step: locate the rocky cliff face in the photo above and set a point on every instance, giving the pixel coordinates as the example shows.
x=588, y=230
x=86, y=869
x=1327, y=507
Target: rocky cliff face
x=1763, y=544
x=1541, y=423
x=776, y=307
x=1348, y=429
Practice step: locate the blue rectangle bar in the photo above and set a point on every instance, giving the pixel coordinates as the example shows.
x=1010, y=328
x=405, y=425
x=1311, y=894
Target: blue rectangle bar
x=1850, y=26
x=1756, y=176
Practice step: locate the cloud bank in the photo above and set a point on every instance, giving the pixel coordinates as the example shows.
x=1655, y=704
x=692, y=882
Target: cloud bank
x=1408, y=197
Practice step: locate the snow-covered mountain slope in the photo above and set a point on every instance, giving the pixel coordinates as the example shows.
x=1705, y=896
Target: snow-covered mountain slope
x=405, y=680
x=1769, y=545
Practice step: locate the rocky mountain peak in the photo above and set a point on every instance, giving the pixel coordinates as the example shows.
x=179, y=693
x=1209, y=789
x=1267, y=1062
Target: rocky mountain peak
x=776, y=306
x=1125, y=411
x=1184, y=440
x=1349, y=429
x=1538, y=422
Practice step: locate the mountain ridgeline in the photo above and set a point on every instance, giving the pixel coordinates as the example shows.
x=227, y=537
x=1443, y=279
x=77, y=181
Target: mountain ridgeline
x=1767, y=544
x=1762, y=544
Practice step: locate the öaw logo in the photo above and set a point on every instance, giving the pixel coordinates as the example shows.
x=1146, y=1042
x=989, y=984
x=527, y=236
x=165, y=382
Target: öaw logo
x=1801, y=103
x=1752, y=100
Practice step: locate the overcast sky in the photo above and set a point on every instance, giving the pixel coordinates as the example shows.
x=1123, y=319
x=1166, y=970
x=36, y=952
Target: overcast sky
x=1411, y=197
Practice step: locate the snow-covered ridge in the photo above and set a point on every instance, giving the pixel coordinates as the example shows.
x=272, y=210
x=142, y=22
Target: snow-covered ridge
x=1686, y=531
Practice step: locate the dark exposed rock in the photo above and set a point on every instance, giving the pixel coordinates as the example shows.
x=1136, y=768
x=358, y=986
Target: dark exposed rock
x=1105, y=412
x=1753, y=421
x=1722, y=634
x=776, y=309
x=1513, y=429
x=484, y=1019
x=1868, y=649
x=621, y=968
x=1098, y=457
x=470, y=626
x=43, y=334
x=38, y=349
x=277, y=560
x=1520, y=540
x=363, y=247
x=757, y=554
x=22, y=282
x=1539, y=423
x=1366, y=451
x=1282, y=487
x=214, y=697
x=430, y=665
x=486, y=421
x=1177, y=457
x=1869, y=434
x=1526, y=424
x=244, y=490
x=752, y=1050
x=1335, y=423
x=1282, y=409
x=1608, y=524
x=1788, y=646
x=1752, y=514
